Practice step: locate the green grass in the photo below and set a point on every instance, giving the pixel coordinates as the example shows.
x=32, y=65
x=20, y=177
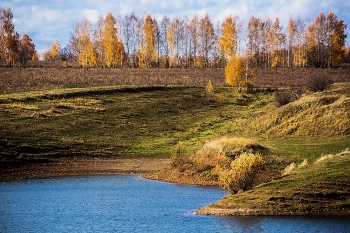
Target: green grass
x=151, y=121
x=320, y=188
x=128, y=122
x=326, y=174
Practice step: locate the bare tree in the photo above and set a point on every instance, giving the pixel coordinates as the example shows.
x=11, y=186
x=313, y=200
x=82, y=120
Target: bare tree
x=207, y=39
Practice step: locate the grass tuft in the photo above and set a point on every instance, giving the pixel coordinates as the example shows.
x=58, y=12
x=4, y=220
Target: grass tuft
x=288, y=169
x=230, y=147
x=303, y=164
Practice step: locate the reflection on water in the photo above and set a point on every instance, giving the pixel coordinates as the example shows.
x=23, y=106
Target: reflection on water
x=131, y=204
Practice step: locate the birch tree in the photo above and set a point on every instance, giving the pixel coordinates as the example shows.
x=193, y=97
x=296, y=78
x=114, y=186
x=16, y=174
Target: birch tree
x=207, y=39
x=228, y=40
x=85, y=44
x=148, y=53
x=113, y=48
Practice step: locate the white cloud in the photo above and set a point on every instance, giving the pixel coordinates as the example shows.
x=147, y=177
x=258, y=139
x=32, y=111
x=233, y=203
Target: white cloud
x=52, y=16
x=91, y=14
x=244, y=8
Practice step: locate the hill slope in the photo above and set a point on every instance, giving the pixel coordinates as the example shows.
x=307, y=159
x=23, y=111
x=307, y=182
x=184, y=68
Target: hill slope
x=321, y=188
x=326, y=114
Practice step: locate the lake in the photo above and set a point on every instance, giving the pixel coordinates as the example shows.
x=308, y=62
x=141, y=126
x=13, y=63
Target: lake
x=124, y=203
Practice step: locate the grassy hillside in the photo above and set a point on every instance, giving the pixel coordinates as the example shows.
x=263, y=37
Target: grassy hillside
x=313, y=135
x=324, y=113
x=111, y=121
x=317, y=188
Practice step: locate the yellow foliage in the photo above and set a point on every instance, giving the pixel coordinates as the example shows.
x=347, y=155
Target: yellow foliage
x=242, y=174
x=227, y=40
x=200, y=61
x=210, y=88
x=171, y=42
x=55, y=49
x=114, y=51
x=91, y=54
x=235, y=71
x=148, y=53
x=35, y=56
x=338, y=39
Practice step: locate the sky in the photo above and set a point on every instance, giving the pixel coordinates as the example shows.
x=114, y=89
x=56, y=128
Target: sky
x=47, y=20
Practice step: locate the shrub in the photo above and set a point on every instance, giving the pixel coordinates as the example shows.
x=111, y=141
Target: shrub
x=286, y=97
x=242, y=174
x=210, y=89
x=181, y=162
x=318, y=82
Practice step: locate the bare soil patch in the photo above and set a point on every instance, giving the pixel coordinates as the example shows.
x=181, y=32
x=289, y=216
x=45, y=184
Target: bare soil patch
x=80, y=166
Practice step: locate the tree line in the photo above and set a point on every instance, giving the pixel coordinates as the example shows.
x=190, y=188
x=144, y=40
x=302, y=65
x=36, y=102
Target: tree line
x=146, y=42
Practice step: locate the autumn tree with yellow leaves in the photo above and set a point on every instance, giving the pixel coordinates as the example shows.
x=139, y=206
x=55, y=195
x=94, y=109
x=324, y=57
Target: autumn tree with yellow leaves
x=325, y=40
x=53, y=52
x=110, y=41
x=87, y=55
x=336, y=39
x=240, y=71
x=278, y=40
x=194, y=31
x=228, y=40
x=148, y=54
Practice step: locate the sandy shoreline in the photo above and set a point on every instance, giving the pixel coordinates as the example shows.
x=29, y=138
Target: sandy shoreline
x=82, y=166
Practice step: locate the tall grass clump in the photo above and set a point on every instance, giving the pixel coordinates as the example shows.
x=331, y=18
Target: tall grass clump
x=331, y=156
x=229, y=147
x=288, y=169
x=303, y=164
x=242, y=172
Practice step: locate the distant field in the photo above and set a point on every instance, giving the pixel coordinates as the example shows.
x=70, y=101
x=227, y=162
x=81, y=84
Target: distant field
x=48, y=75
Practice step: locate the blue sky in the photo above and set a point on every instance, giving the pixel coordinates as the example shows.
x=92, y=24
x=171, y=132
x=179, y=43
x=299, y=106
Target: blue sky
x=48, y=20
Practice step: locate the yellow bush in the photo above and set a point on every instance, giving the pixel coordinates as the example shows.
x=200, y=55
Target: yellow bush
x=242, y=173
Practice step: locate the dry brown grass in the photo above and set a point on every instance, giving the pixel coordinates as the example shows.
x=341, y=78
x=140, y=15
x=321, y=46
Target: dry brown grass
x=325, y=114
x=33, y=78
x=50, y=75
x=329, y=157
x=229, y=147
x=288, y=169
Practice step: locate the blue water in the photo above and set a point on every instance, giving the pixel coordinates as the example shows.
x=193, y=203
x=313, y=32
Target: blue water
x=131, y=204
